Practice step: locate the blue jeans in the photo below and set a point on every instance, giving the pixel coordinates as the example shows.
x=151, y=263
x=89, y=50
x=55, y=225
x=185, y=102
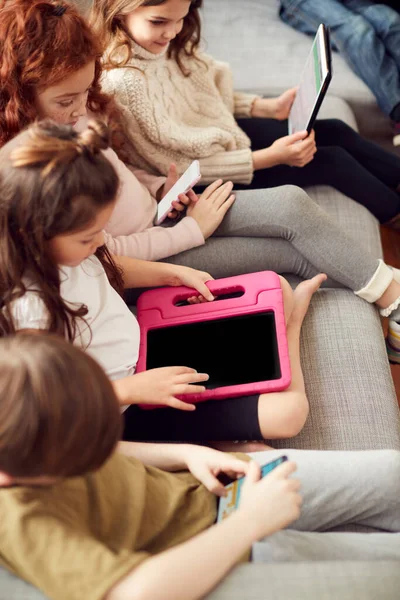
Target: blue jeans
x=366, y=34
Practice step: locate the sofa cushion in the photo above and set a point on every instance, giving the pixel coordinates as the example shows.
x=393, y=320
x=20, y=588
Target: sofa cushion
x=350, y=580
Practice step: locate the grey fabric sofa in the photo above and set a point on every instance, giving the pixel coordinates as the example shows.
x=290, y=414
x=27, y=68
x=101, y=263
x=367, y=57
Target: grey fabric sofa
x=348, y=380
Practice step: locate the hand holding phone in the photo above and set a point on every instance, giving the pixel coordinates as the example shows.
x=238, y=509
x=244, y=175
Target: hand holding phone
x=230, y=502
x=270, y=504
x=188, y=180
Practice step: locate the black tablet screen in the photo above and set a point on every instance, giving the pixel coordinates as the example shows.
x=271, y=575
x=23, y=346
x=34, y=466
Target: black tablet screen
x=233, y=350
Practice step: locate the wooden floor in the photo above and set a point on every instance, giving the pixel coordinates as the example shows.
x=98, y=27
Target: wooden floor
x=391, y=252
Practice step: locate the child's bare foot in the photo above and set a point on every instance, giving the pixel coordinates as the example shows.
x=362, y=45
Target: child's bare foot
x=240, y=446
x=302, y=296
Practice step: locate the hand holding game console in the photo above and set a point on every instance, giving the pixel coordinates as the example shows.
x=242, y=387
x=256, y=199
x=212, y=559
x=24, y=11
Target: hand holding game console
x=272, y=503
x=206, y=464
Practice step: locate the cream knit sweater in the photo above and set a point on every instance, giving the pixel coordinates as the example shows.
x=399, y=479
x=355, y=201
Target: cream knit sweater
x=172, y=118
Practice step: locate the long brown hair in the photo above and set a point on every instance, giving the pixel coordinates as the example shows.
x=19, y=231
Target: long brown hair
x=106, y=18
x=59, y=416
x=52, y=181
x=42, y=43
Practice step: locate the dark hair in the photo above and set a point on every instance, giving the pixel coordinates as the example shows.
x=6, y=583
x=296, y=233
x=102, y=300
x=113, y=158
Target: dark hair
x=59, y=415
x=52, y=181
x=39, y=48
x=107, y=23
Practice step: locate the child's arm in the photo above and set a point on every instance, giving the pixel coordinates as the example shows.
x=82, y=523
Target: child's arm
x=140, y=273
x=192, y=569
x=204, y=463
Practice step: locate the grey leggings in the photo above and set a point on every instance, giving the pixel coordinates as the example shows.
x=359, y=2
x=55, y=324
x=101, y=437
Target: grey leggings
x=339, y=489
x=282, y=230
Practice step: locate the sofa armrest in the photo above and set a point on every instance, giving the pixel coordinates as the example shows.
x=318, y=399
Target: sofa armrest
x=350, y=580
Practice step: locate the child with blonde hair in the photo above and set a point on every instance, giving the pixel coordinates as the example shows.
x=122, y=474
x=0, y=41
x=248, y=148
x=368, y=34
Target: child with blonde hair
x=180, y=105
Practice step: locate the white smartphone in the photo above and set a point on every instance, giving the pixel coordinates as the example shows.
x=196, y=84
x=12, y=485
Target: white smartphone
x=188, y=180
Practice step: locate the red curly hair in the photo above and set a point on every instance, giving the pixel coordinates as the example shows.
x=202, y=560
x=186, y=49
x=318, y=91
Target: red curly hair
x=41, y=43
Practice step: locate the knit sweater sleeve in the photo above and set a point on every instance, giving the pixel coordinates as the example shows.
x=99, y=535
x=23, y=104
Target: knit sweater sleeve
x=234, y=165
x=243, y=104
x=157, y=243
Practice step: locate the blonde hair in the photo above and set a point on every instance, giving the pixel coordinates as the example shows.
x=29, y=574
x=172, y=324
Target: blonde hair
x=107, y=20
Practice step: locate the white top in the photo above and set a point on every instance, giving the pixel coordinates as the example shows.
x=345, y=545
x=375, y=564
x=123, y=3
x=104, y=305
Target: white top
x=114, y=338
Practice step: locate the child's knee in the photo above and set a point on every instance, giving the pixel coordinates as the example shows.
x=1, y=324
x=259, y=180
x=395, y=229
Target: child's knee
x=287, y=297
x=293, y=206
x=287, y=418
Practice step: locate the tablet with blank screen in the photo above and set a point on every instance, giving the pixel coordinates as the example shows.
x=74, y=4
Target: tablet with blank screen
x=239, y=339
x=232, y=350
x=314, y=83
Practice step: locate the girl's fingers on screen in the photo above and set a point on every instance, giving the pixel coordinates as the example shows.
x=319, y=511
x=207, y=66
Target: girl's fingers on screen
x=189, y=388
x=180, y=404
x=187, y=378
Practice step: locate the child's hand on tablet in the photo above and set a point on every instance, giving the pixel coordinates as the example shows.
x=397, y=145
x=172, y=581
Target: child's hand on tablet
x=271, y=503
x=161, y=386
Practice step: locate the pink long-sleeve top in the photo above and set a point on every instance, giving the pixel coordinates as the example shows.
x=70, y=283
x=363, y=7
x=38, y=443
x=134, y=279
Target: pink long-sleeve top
x=130, y=231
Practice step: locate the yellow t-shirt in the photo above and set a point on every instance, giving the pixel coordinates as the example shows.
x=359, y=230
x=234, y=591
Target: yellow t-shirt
x=78, y=538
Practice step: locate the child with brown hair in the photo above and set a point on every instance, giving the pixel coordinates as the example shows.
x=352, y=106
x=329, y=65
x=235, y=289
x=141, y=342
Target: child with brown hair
x=182, y=106
x=89, y=518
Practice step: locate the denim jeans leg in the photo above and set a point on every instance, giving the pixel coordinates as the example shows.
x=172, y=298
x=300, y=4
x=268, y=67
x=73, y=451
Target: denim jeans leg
x=351, y=32
x=384, y=20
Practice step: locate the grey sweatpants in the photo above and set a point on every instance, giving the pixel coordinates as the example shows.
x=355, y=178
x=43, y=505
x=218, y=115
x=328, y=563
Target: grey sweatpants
x=339, y=489
x=282, y=230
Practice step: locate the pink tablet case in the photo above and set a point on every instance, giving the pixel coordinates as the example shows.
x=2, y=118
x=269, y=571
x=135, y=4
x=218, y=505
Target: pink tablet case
x=261, y=292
